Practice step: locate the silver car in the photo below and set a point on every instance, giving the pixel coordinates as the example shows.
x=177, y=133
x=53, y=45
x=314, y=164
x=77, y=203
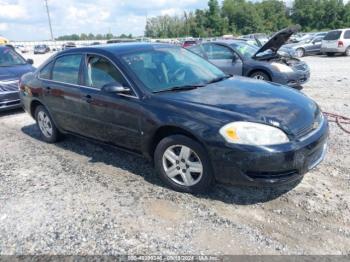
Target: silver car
x=337, y=41
x=305, y=47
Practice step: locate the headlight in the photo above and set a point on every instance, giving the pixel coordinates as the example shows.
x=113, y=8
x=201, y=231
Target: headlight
x=248, y=133
x=282, y=68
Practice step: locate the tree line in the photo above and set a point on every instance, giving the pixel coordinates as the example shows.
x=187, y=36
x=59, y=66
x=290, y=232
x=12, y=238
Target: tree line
x=244, y=17
x=75, y=37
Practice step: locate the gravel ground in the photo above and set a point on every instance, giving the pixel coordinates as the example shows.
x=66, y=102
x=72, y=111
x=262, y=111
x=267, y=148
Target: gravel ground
x=76, y=197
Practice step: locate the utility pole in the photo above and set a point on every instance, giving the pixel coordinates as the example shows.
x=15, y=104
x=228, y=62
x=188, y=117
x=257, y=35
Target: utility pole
x=48, y=16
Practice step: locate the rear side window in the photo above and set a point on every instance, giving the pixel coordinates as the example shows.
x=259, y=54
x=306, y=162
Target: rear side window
x=333, y=35
x=347, y=34
x=101, y=72
x=45, y=73
x=66, y=69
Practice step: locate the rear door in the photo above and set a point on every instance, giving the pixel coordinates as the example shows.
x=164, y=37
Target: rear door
x=224, y=58
x=61, y=91
x=109, y=117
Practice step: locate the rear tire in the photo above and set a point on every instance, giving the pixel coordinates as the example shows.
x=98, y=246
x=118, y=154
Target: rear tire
x=183, y=164
x=48, y=130
x=329, y=54
x=347, y=51
x=260, y=75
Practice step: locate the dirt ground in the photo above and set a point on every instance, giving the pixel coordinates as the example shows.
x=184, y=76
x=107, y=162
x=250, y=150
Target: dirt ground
x=76, y=197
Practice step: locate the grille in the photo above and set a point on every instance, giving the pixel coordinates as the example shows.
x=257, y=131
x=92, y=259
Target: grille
x=310, y=128
x=301, y=67
x=9, y=86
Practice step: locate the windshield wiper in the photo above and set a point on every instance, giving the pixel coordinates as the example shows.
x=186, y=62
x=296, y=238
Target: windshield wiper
x=179, y=88
x=219, y=79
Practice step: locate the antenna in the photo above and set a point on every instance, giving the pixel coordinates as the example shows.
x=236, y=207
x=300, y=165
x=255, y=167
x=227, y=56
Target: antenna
x=48, y=16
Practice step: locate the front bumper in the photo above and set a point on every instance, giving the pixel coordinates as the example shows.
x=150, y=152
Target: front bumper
x=269, y=165
x=9, y=100
x=293, y=79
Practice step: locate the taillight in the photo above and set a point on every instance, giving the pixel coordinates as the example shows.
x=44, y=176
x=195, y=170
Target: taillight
x=340, y=44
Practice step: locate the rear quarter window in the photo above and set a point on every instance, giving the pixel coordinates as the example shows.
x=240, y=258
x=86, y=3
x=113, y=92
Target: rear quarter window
x=347, y=34
x=45, y=73
x=333, y=35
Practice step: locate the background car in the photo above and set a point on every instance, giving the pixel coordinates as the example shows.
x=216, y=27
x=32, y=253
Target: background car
x=41, y=49
x=68, y=45
x=236, y=57
x=337, y=41
x=195, y=123
x=12, y=67
x=189, y=43
x=308, y=46
x=21, y=49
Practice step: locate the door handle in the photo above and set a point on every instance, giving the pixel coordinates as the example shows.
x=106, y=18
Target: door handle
x=47, y=90
x=88, y=99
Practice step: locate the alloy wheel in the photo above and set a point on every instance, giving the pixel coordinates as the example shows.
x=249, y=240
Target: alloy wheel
x=259, y=77
x=182, y=165
x=45, y=125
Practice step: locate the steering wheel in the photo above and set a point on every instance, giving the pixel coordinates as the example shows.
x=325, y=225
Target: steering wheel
x=180, y=72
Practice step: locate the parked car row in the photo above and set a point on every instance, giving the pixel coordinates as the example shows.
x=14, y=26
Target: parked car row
x=236, y=57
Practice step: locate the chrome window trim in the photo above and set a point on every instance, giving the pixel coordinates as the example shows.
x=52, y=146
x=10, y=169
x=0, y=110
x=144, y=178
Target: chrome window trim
x=88, y=87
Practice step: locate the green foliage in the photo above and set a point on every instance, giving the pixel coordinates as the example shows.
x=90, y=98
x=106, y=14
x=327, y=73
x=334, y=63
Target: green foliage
x=91, y=36
x=244, y=17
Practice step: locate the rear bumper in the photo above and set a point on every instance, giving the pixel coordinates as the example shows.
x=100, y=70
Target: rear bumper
x=333, y=50
x=269, y=166
x=9, y=100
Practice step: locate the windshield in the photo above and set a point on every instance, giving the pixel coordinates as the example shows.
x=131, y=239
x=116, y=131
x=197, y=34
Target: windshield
x=333, y=35
x=8, y=57
x=168, y=67
x=245, y=50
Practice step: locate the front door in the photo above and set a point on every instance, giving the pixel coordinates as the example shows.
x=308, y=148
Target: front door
x=110, y=117
x=224, y=58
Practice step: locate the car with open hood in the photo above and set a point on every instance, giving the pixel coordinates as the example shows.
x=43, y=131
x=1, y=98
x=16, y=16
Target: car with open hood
x=194, y=122
x=236, y=57
x=12, y=67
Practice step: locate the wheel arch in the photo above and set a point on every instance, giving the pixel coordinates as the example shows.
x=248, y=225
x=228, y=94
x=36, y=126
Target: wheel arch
x=165, y=131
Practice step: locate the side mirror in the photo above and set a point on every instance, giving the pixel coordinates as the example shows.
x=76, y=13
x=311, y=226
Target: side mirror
x=115, y=87
x=30, y=61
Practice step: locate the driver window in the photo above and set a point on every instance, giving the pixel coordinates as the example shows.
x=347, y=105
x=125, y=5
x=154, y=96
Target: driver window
x=218, y=52
x=100, y=72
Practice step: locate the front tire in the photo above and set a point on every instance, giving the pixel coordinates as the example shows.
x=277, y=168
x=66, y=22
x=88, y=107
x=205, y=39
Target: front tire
x=260, y=75
x=300, y=52
x=183, y=164
x=48, y=130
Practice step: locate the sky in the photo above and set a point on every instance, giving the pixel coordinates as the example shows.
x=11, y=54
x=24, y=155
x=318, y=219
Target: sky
x=27, y=19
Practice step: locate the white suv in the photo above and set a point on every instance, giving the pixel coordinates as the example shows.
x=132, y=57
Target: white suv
x=336, y=41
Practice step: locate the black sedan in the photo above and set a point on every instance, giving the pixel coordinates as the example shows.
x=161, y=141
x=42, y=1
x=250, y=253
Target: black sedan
x=12, y=67
x=196, y=123
x=237, y=57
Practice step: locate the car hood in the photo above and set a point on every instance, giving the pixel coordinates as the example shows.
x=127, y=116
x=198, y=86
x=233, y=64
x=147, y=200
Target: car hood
x=278, y=39
x=14, y=72
x=253, y=100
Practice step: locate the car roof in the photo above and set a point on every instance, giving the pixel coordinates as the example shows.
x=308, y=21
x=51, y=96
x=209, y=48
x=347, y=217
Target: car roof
x=230, y=41
x=118, y=47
